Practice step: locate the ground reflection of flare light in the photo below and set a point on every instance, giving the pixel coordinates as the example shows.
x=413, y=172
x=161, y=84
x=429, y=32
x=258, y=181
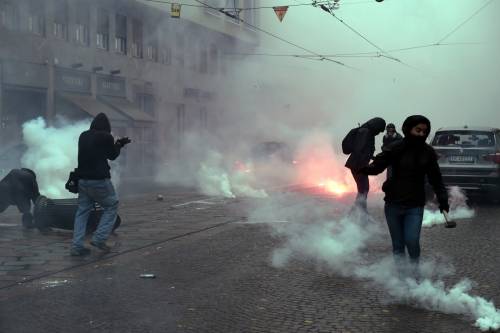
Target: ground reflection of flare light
x=334, y=187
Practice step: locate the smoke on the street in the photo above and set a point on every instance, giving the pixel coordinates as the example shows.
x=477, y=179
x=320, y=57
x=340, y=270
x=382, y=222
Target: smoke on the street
x=341, y=245
x=458, y=209
x=52, y=154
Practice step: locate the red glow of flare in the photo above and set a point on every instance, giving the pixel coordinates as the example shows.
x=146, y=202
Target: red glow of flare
x=334, y=187
x=241, y=167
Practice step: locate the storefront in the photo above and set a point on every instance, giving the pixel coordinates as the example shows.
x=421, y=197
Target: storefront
x=111, y=91
x=23, y=97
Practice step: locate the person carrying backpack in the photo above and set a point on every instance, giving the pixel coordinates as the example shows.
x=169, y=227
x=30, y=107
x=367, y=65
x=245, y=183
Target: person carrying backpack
x=360, y=144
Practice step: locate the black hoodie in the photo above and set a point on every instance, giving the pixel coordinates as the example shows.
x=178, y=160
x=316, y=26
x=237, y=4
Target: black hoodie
x=18, y=188
x=411, y=160
x=365, y=144
x=95, y=147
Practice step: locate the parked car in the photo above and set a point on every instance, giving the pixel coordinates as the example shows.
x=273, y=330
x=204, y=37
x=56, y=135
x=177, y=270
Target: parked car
x=272, y=150
x=469, y=157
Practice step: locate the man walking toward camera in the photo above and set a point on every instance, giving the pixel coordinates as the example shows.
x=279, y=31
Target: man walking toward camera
x=95, y=147
x=390, y=135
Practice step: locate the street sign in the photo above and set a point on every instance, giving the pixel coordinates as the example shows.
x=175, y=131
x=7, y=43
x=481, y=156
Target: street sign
x=175, y=10
x=280, y=12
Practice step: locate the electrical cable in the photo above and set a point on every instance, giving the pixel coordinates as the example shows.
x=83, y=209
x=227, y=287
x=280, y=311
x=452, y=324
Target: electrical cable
x=486, y=4
x=272, y=35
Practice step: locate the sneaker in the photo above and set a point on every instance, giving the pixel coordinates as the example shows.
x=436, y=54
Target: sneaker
x=101, y=246
x=78, y=252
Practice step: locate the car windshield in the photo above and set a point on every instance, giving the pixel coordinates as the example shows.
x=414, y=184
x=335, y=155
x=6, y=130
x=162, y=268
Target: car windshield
x=464, y=139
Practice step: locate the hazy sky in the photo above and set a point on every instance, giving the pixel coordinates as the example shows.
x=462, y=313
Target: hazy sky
x=453, y=84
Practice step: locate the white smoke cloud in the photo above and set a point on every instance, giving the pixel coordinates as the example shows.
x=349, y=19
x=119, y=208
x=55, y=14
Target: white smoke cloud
x=341, y=246
x=215, y=179
x=52, y=154
x=458, y=209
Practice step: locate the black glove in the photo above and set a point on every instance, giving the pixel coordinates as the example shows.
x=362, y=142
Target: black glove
x=123, y=141
x=444, y=206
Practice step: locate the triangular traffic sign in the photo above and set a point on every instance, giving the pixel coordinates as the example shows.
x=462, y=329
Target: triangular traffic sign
x=280, y=12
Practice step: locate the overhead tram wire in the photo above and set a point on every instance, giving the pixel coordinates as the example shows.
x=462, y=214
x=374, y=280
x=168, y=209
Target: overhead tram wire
x=486, y=4
x=251, y=8
x=383, y=53
x=274, y=36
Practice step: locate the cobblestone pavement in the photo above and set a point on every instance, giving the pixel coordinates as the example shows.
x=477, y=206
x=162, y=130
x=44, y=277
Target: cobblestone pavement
x=213, y=274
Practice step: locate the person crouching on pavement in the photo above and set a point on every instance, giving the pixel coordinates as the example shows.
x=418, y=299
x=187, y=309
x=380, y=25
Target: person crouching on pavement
x=95, y=147
x=19, y=188
x=411, y=160
x=361, y=155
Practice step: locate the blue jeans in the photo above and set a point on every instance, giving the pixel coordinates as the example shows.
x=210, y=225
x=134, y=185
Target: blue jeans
x=90, y=192
x=404, y=225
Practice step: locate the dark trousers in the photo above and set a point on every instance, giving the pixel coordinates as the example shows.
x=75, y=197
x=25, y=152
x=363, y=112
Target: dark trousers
x=404, y=225
x=363, y=185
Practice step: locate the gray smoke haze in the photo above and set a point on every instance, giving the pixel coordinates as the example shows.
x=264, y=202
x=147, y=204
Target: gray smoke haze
x=451, y=84
x=286, y=99
x=341, y=245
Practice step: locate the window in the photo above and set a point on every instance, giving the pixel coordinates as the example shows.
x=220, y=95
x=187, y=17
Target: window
x=181, y=118
x=214, y=59
x=82, y=25
x=82, y=34
x=146, y=101
x=203, y=119
x=152, y=52
x=36, y=18
x=102, y=39
x=137, y=38
x=230, y=6
x=203, y=61
x=60, y=26
x=153, y=37
x=121, y=34
x=464, y=138
x=9, y=15
x=166, y=56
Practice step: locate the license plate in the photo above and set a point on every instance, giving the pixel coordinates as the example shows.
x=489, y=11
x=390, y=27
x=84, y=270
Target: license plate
x=462, y=159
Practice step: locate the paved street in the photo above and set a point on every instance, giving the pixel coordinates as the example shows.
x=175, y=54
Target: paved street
x=213, y=274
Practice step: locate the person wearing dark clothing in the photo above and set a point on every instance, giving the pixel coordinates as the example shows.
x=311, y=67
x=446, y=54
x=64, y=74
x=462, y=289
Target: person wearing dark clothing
x=19, y=188
x=95, y=147
x=361, y=155
x=390, y=135
x=411, y=160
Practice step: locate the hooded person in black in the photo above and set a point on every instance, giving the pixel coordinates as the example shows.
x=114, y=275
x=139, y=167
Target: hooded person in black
x=19, y=188
x=95, y=147
x=361, y=155
x=411, y=160
x=390, y=135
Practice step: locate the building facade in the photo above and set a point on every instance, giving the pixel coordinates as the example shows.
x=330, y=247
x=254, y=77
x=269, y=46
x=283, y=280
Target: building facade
x=155, y=76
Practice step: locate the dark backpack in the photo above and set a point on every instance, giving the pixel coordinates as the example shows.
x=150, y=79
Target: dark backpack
x=349, y=141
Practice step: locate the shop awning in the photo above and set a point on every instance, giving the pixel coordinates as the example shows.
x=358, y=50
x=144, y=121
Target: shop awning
x=129, y=109
x=93, y=107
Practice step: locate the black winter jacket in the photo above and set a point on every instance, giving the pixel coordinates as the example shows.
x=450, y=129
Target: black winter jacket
x=18, y=188
x=410, y=165
x=387, y=140
x=95, y=147
x=365, y=144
